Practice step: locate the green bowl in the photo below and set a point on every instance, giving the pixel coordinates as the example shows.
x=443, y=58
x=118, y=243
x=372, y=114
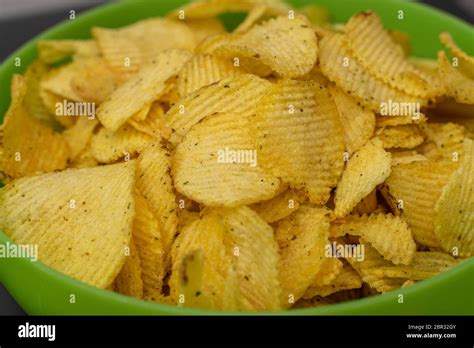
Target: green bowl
x=40, y=290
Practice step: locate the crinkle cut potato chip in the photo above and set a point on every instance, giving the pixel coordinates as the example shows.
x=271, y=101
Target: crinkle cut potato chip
x=299, y=137
x=407, y=136
x=415, y=188
x=29, y=145
x=217, y=164
x=330, y=269
x=303, y=256
x=367, y=168
x=278, y=207
x=78, y=239
x=239, y=94
x=448, y=137
x=53, y=51
x=146, y=86
x=466, y=62
x=346, y=279
x=129, y=280
x=454, y=210
x=288, y=46
x=458, y=85
x=252, y=242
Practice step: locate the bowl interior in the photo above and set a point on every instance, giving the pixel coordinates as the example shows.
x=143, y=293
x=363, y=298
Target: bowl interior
x=41, y=290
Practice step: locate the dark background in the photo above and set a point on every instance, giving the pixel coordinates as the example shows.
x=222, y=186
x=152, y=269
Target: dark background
x=20, y=20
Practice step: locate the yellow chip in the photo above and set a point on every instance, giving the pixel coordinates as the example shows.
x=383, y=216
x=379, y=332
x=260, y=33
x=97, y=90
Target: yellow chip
x=128, y=49
x=154, y=123
x=425, y=264
x=299, y=137
x=252, y=243
x=303, y=256
x=254, y=15
x=240, y=94
x=58, y=81
x=145, y=87
x=84, y=159
x=358, y=122
x=203, y=28
x=155, y=184
x=402, y=39
x=203, y=70
x=330, y=269
x=213, y=8
x=454, y=211
x=108, y=146
x=466, y=62
x=383, y=121
x=149, y=243
x=405, y=136
x=52, y=101
x=129, y=281
x=341, y=67
x=346, y=279
x=63, y=213
x=79, y=135
x=367, y=168
x=458, y=85
x=448, y=138
x=52, y=51
x=278, y=207
x=29, y=145
x=375, y=49
x=406, y=157
x=414, y=188
x=288, y=46
x=214, y=276
x=217, y=164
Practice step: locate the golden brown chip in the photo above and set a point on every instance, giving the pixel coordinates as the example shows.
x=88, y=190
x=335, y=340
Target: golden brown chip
x=330, y=269
x=465, y=62
x=154, y=123
x=79, y=135
x=448, y=138
x=382, y=121
x=346, y=279
x=414, y=188
x=367, y=168
x=217, y=164
x=63, y=214
x=58, y=81
x=454, y=211
x=278, y=207
x=108, y=146
x=299, y=137
x=252, y=243
x=403, y=136
x=303, y=256
x=458, y=85
x=240, y=94
x=145, y=87
x=358, y=122
x=155, y=184
x=52, y=51
x=29, y=145
x=368, y=204
x=129, y=280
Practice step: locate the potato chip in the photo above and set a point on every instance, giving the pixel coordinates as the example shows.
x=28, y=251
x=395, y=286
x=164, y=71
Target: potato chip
x=204, y=70
x=29, y=145
x=148, y=240
x=313, y=302
x=212, y=8
x=51, y=101
x=84, y=159
x=402, y=39
x=252, y=242
x=341, y=67
x=288, y=46
x=405, y=136
x=303, y=257
x=366, y=169
x=376, y=51
x=448, y=138
x=368, y=204
x=454, y=210
x=58, y=81
x=254, y=15
x=146, y=87
x=458, y=85
x=414, y=188
x=79, y=135
x=52, y=51
x=155, y=184
x=383, y=121
x=203, y=28
x=278, y=207
x=425, y=264
x=214, y=276
x=466, y=62
x=129, y=48
x=346, y=279
x=240, y=94
x=79, y=239
x=330, y=269
x=186, y=217
x=154, y=123
x=129, y=281
x=406, y=157
x=299, y=137
x=217, y=164
x=358, y=122
x=109, y=146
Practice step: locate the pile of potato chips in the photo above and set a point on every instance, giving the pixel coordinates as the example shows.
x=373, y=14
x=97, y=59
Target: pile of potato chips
x=289, y=163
